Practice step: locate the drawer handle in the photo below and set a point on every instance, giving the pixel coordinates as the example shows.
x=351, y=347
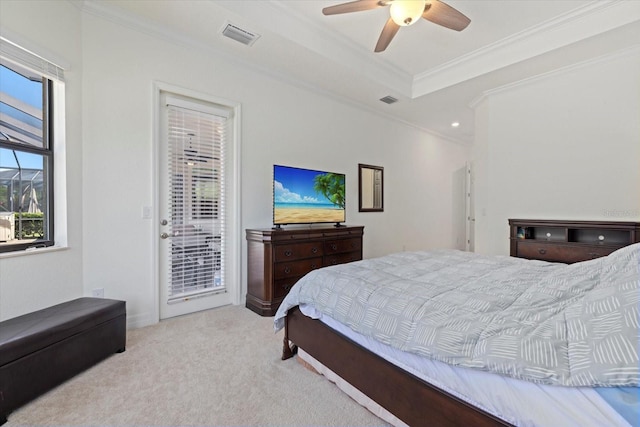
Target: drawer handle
x=334, y=247
x=314, y=250
x=314, y=266
x=286, y=287
x=287, y=270
x=287, y=253
x=542, y=251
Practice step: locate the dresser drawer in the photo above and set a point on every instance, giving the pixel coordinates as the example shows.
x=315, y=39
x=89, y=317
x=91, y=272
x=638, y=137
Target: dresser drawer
x=342, y=245
x=342, y=258
x=278, y=258
x=296, y=268
x=281, y=287
x=296, y=251
x=306, y=235
x=561, y=252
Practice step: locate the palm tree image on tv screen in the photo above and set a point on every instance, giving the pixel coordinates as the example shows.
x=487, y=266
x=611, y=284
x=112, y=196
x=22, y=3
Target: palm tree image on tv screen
x=304, y=196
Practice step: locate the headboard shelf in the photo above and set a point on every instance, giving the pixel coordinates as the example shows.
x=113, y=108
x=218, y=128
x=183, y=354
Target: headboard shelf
x=569, y=241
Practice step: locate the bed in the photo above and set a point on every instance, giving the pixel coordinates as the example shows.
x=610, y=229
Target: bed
x=468, y=385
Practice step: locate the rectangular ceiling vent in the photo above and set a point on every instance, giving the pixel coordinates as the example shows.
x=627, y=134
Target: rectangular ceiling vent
x=388, y=99
x=238, y=34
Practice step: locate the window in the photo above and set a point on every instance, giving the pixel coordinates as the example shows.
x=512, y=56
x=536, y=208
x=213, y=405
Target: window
x=26, y=150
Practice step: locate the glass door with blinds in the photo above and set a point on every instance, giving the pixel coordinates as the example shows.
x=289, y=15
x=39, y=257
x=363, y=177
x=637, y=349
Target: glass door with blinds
x=192, y=212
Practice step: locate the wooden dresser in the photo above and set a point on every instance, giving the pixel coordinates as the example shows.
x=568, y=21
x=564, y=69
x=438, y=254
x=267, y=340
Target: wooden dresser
x=277, y=258
x=569, y=241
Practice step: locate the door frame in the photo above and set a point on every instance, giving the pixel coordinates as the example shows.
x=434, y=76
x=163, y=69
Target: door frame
x=470, y=216
x=233, y=247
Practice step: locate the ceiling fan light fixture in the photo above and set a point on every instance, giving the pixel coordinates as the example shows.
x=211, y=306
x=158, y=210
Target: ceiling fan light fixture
x=406, y=12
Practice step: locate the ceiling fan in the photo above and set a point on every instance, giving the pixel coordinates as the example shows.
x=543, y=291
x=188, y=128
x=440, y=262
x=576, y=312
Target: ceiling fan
x=404, y=13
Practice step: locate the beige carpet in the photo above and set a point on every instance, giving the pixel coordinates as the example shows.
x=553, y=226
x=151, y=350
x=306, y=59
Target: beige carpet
x=219, y=367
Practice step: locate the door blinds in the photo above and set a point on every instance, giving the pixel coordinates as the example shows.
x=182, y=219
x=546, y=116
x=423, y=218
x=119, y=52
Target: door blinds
x=196, y=144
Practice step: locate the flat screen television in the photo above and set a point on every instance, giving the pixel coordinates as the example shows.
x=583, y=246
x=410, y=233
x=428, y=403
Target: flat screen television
x=305, y=196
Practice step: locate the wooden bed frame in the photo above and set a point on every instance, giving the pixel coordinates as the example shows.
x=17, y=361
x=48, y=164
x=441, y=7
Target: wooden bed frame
x=412, y=400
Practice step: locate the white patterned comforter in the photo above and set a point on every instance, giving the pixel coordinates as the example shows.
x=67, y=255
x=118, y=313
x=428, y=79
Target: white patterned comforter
x=571, y=325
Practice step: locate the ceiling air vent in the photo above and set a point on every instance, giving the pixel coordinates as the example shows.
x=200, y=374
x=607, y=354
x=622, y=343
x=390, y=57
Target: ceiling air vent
x=238, y=34
x=388, y=99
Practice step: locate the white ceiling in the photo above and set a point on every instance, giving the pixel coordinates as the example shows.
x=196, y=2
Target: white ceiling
x=436, y=73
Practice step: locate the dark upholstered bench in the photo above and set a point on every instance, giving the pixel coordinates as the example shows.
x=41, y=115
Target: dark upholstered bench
x=41, y=350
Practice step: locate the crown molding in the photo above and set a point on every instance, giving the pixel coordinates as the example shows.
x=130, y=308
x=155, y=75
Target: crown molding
x=118, y=17
x=633, y=51
x=595, y=18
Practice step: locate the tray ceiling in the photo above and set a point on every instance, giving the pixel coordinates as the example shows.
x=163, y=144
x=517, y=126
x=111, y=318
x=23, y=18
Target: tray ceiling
x=435, y=73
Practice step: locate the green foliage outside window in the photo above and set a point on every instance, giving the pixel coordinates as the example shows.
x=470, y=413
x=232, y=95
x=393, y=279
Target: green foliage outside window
x=32, y=225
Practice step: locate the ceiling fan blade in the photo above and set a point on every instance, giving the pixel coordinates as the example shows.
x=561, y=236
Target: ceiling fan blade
x=388, y=32
x=442, y=14
x=354, y=6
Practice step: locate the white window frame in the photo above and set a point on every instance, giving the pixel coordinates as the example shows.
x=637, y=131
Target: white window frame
x=26, y=57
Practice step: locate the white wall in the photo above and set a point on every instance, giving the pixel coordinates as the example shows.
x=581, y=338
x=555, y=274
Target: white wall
x=563, y=146
x=34, y=281
x=281, y=123
x=110, y=145
x=569, y=151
